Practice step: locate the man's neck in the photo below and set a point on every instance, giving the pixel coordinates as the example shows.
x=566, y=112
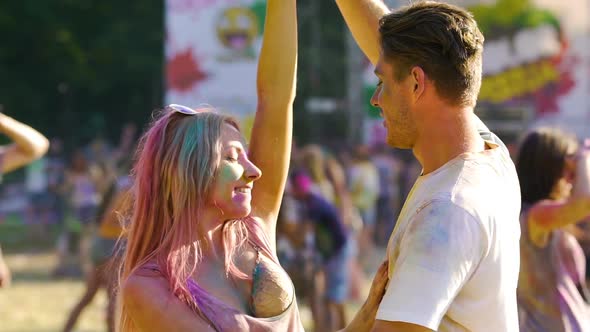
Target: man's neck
x=446, y=134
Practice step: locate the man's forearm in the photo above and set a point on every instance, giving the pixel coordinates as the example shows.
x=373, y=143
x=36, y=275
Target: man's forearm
x=362, y=18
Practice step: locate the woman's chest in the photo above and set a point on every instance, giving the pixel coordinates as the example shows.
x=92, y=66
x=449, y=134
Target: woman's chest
x=266, y=292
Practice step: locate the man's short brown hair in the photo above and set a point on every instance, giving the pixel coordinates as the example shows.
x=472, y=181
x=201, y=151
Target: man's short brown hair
x=443, y=40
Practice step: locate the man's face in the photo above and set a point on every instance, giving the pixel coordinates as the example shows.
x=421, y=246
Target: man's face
x=393, y=97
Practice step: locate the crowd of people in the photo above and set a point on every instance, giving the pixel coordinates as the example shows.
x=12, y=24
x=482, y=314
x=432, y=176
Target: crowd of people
x=210, y=233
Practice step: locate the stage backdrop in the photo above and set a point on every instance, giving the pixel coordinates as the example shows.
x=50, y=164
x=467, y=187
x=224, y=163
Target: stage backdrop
x=536, y=66
x=212, y=49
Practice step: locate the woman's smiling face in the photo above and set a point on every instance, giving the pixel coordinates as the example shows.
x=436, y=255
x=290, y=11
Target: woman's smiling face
x=232, y=187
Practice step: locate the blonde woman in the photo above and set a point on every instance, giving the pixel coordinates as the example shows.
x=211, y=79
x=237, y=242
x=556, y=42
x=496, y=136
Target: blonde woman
x=201, y=252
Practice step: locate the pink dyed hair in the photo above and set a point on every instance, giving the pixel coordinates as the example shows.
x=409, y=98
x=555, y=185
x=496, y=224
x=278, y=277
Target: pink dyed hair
x=177, y=161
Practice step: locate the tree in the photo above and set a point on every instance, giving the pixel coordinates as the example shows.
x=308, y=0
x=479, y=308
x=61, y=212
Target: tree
x=80, y=68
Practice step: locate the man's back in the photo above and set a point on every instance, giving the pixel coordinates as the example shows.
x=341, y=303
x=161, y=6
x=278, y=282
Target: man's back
x=454, y=253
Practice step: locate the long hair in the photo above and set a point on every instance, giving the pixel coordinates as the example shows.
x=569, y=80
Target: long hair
x=177, y=162
x=541, y=162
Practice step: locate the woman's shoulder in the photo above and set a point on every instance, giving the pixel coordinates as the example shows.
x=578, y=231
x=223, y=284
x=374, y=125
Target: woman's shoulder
x=147, y=298
x=145, y=283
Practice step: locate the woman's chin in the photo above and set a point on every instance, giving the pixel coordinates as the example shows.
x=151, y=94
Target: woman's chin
x=239, y=212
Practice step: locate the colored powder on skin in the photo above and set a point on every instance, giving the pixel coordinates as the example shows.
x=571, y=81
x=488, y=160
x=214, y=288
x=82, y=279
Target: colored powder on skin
x=256, y=283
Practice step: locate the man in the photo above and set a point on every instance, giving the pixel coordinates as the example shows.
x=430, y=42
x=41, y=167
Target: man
x=28, y=146
x=453, y=255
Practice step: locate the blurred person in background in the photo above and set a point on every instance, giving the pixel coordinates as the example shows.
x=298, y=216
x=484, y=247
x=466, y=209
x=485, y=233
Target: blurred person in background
x=44, y=184
x=55, y=170
x=114, y=208
x=313, y=159
x=83, y=184
x=453, y=262
x=389, y=169
x=90, y=182
x=28, y=145
x=104, y=252
x=200, y=252
x=296, y=250
x=333, y=251
x=554, y=173
x=37, y=215
x=294, y=247
x=364, y=191
x=329, y=179
x=337, y=174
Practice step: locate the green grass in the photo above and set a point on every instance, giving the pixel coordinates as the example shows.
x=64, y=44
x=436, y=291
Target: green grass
x=36, y=302
x=16, y=237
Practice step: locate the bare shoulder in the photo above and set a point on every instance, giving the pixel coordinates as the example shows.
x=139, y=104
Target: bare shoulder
x=151, y=305
x=142, y=287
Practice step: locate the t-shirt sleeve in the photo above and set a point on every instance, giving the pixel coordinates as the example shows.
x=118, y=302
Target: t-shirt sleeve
x=439, y=251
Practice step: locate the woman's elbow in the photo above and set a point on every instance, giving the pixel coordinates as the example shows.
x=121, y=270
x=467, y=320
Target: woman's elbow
x=41, y=147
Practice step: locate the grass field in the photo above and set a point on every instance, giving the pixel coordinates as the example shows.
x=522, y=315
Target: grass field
x=36, y=302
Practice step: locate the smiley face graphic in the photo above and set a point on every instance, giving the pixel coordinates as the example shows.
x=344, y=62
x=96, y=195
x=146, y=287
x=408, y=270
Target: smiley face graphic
x=237, y=28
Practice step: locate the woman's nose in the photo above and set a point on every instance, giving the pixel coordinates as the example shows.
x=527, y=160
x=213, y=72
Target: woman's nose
x=252, y=172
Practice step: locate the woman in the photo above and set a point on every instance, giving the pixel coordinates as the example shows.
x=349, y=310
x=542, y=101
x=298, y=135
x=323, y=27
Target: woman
x=103, y=249
x=554, y=177
x=201, y=253
x=83, y=186
x=28, y=145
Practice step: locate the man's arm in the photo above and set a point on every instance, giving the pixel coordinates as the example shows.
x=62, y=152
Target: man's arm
x=385, y=326
x=432, y=267
x=28, y=144
x=362, y=18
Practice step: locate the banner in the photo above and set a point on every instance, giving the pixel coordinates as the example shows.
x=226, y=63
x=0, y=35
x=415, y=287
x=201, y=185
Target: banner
x=212, y=49
x=536, y=63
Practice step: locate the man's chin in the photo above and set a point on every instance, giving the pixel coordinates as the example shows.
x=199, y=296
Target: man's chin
x=395, y=143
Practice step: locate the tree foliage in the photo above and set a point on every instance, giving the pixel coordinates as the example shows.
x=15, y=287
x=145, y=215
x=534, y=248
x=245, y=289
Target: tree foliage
x=81, y=68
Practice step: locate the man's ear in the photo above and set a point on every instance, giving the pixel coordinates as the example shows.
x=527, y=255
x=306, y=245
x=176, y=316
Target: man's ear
x=418, y=81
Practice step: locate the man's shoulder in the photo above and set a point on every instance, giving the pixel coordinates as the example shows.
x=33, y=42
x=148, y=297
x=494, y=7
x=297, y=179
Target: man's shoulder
x=444, y=206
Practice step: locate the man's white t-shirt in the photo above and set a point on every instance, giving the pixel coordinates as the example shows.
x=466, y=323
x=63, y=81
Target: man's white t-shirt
x=454, y=253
